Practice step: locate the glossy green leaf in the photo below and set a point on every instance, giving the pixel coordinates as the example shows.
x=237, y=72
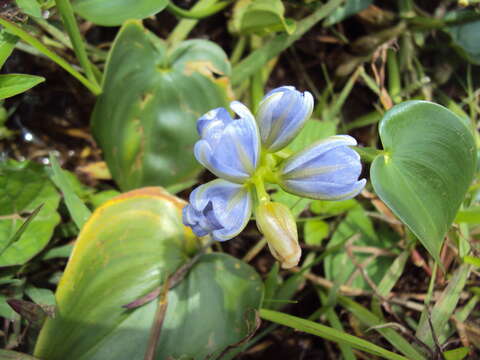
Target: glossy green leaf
x=328, y=333
x=323, y=207
x=357, y=223
x=295, y=203
x=469, y=216
x=456, y=354
x=313, y=130
x=427, y=167
x=115, y=12
x=14, y=84
x=23, y=188
x=315, y=231
x=261, y=17
x=7, y=44
x=30, y=7
x=147, y=133
x=350, y=8
x=465, y=37
x=125, y=250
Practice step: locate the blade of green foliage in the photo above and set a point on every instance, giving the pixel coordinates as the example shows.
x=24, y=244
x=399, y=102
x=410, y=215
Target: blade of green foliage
x=274, y=47
x=115, y=12
x=147, y=133
x=328, y=333
x=456, y=354
x=66, y=11
x=357, y=222
x=16, y=236
x=40, y=296
x=371, y=320
x=23, y=188
x=7, y=44
x=393, y=274
x=31, y=40
x=469, y=216
x=315, y=231
x=472, y=260
x=427, y=167
x=14, y=84
x=30, y=7
x=271, y=284
x=77, y=209
x=313, y=130
x=444, y=307
x=350, y=8
x=332, y=208
x=335, y=322
x=127, y=249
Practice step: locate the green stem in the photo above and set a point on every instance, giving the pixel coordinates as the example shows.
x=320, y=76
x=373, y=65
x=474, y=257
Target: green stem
x=262, y=194
x=29, y=39
x=394, y=83
x=238, y=50
x=427, y=23
x=368, y=154
x=66, y=12
x=184, y=26
x=256, y=80
x=197, y=14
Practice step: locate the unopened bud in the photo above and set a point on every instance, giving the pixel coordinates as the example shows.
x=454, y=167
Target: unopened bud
x=277, y=224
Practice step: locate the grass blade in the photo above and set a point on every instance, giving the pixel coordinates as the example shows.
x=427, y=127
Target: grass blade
x=444, y=307
x=79, y=212
x=328, y=333
x=32, y=41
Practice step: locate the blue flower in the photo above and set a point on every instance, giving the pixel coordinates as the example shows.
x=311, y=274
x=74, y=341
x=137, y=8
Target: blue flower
x=281, y=115
x=326, y=170
x=219, y=208
x=229, y=148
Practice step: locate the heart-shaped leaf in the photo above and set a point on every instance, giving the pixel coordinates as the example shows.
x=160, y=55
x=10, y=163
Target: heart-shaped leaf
x=115, y=12
x=427, y=167
x=145, y=119
x=23, y=188
x=126, y=249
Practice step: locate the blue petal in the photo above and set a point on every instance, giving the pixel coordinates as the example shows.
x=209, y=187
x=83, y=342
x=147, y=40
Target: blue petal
x=281, y=115
x=212, y=121
x=340, y=165
x=219, y=208
x=323, y=190
x=315, y=150
x=327, y=170
x=229, y=148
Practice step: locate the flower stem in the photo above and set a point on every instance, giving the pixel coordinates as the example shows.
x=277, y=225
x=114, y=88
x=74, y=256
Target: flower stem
x=66, y=12
x=262, y=194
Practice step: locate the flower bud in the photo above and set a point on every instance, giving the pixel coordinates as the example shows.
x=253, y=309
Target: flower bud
x=326, y=170
x=281, y=115
x=277, y=224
